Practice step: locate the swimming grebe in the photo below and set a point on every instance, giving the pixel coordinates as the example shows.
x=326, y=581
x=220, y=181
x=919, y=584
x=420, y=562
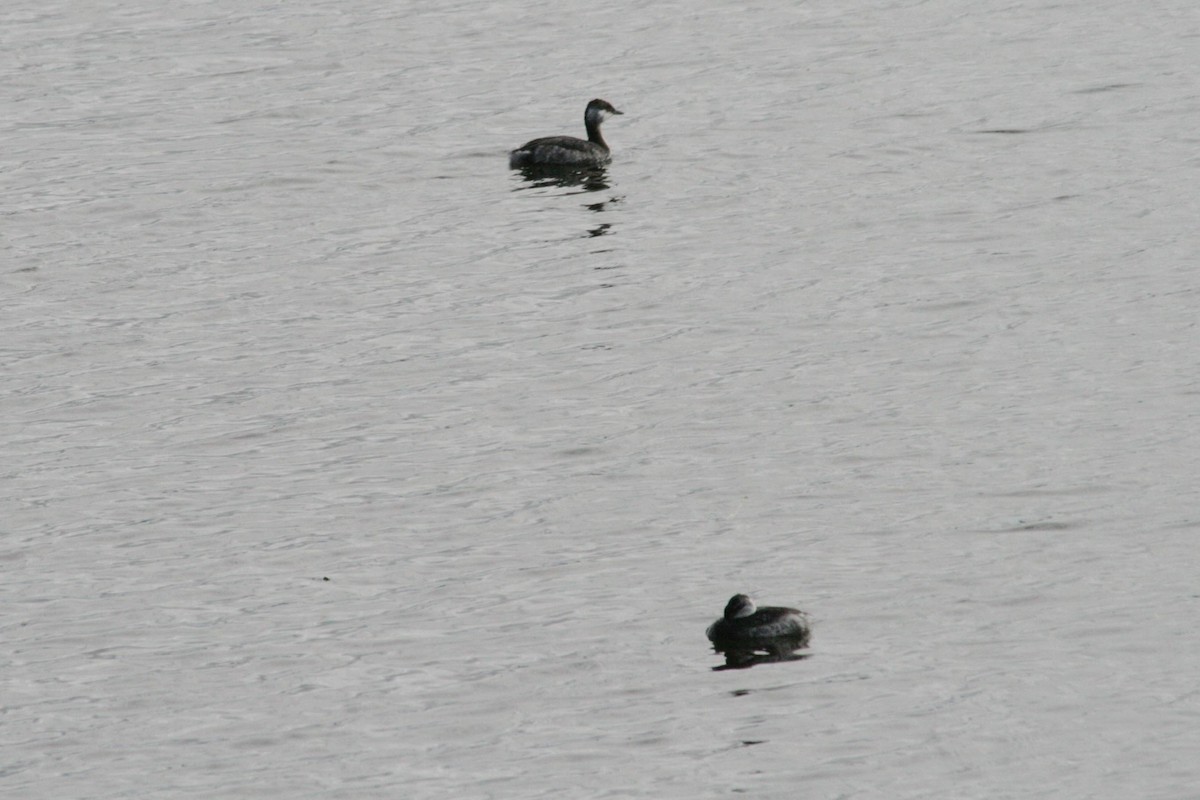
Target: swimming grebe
x=744, y=623
x=567, y=150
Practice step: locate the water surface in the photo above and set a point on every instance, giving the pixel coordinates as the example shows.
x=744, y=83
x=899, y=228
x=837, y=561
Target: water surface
x=342, y=461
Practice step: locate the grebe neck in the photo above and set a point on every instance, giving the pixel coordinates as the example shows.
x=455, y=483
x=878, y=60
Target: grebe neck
x=592, y=123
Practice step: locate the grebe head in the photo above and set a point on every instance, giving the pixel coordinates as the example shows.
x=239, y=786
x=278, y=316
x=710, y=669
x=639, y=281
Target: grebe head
x=739, y=606
x=599, y=110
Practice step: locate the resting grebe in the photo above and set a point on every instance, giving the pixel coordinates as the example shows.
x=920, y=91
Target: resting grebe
x=743, y=623
x=567, y=150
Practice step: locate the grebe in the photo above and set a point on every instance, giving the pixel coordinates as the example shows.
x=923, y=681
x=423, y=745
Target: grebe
x=744, y=623
x=567, y=150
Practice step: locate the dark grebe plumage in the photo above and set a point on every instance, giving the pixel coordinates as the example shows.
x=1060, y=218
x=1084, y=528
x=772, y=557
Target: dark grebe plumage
x=745, y=623
x=567, y=151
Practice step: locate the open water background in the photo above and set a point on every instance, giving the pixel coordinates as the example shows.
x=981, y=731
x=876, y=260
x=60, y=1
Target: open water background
x=884, y=309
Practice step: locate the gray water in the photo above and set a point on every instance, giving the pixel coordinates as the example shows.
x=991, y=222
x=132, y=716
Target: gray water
x=341, y=461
